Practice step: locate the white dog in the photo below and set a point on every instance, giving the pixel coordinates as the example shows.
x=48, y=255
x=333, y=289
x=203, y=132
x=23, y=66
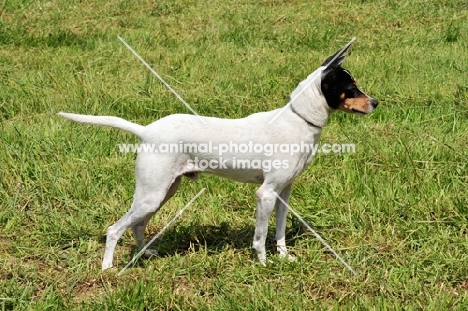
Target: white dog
x=158, y=174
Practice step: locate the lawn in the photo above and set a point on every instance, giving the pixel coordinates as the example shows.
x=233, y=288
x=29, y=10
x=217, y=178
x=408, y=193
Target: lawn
x=396, y=209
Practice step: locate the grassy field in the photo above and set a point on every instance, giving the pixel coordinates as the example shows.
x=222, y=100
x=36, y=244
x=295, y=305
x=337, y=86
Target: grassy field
x=396, y=209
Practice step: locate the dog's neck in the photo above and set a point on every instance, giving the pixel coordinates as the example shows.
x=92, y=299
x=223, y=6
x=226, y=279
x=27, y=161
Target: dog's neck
x=308, y=102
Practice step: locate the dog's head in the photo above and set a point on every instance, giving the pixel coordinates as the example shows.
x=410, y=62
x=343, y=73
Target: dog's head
x=340, y=88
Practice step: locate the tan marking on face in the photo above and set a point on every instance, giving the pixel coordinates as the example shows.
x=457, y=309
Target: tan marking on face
x=350, y=105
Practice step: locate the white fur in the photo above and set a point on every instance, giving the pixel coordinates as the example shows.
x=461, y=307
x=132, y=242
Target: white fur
x=158, y=174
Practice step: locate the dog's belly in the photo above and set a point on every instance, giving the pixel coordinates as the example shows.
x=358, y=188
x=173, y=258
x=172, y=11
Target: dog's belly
x=239, y=175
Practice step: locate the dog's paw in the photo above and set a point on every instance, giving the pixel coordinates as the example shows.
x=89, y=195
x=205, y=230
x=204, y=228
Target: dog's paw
x=287, y=256
x=265, y=261
x=105, y=266
x=150, y=252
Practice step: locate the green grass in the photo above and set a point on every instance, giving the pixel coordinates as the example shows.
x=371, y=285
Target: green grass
x=396, y=210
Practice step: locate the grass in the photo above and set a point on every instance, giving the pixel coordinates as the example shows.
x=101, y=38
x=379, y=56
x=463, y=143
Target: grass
x=396, y=210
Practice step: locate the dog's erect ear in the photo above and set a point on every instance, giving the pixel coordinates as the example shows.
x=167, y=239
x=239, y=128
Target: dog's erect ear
x=336, y=59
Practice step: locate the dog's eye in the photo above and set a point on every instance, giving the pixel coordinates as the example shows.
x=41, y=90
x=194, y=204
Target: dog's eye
x=351, y=92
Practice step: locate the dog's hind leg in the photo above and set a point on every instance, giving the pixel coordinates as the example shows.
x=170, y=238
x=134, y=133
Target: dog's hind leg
x=137, y=213
x=139, y=229
x=266, y=198
x=142, y=208
x=281, y=210
x=151, y=190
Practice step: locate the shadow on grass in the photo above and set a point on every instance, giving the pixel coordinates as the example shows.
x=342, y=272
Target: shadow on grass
x=183, y=239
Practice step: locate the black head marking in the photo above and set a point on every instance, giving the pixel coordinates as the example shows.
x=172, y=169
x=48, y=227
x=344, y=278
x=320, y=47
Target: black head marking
x=339, y=85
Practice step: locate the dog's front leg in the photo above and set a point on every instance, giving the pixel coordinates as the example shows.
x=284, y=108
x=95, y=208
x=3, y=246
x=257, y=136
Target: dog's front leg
x=281, y=210
x=266, y=199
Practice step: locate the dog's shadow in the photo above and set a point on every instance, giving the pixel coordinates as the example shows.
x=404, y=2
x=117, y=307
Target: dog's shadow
x=214, y=239
x=184, y=239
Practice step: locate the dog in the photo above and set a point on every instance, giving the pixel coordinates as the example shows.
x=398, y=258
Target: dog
x=158, y=174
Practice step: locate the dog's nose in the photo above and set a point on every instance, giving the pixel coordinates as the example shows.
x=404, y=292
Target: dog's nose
x=374, y=103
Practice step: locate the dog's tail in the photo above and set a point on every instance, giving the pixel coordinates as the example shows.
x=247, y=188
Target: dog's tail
x=105, y=120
